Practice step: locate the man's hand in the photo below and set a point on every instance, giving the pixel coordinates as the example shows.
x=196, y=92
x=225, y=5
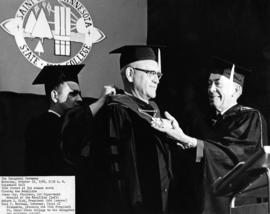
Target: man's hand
x=108, y=90
x=170, y=126
x=162, y=123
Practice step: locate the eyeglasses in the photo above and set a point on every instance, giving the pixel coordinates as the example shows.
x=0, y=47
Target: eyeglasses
x=150, y=73
x=75, y=93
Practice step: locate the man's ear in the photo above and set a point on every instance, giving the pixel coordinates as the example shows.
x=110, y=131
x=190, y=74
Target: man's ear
x=54, y=96
x=238, y=90
x=129, y=72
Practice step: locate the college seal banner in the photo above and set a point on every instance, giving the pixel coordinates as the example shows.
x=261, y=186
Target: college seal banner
x=53, y=32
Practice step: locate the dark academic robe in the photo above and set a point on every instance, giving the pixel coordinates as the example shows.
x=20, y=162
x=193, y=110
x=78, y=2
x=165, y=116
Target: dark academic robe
x=226, y=140
x=77, y=130
x=139, y=158
x=42, y=138
x=232, y=137
x=60, y=146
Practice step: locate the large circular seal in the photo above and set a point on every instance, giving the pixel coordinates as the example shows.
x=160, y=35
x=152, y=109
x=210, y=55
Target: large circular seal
x=54, y=32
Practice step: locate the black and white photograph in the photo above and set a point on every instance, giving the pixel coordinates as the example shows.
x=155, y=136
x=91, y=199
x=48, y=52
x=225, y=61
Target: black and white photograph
x=134, y=106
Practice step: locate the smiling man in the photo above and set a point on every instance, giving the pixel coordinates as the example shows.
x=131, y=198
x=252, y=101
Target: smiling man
x=234, y=134
x=225, y=87
x=139, y=156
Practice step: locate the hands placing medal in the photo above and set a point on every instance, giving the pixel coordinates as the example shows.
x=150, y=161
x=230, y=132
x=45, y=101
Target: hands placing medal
x=170, y=126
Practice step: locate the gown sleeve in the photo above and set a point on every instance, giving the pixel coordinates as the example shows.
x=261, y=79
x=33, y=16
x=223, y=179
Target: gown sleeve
x=76, y=134
x=244, y=135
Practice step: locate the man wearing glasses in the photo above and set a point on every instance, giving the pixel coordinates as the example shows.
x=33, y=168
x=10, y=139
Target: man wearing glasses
x=139, y=157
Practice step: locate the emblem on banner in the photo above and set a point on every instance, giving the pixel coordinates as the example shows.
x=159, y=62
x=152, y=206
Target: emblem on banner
x=53, y=32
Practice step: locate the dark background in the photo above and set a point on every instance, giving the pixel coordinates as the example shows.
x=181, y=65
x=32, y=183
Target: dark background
x=193, y=30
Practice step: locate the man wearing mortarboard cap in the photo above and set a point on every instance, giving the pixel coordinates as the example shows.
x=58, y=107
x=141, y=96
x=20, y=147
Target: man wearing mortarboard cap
x=44, y=133
x=140, y=156
x=233, y=136
x=61, y=86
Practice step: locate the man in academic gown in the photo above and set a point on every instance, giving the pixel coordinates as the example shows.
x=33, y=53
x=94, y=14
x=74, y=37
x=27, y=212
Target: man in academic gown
x=139, y=156
x=235, y=133
x=43, y=136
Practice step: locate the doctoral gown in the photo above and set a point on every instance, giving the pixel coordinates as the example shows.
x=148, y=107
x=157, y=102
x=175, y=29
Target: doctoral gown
x=139, y=159
x=225, y=141
x=236, y=136
x=77, y=130
x=60, y=146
